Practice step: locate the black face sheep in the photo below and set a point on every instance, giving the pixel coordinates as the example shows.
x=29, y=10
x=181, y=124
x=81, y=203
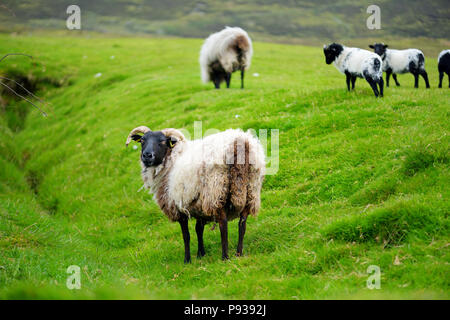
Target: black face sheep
x=402, y=61
x=356, y=63
x=223, y=53
x=217, y=178
x=444, y=66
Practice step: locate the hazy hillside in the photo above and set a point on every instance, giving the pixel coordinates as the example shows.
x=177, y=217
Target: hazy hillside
x=282, y=19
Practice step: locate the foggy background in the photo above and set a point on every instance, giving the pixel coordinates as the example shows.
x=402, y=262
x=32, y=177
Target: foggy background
x=274, y=20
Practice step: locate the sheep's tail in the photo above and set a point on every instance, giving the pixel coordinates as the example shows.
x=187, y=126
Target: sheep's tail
x=243, y=49
x=246, y=175
x=239, y=174
x=421, y=60
x=242, y=43
x=376, y=72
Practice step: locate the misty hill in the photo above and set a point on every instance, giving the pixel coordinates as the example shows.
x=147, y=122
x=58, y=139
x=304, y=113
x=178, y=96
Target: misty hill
x=270, y=19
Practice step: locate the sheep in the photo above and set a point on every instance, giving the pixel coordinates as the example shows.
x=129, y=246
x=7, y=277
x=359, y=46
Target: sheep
x=444, y=66
x=355, y=62
x=223, y=53
x=218, y=178
x=402, y=61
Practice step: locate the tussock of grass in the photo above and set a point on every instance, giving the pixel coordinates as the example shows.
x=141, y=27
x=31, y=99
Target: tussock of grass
x=420, y=158
x=390, y=225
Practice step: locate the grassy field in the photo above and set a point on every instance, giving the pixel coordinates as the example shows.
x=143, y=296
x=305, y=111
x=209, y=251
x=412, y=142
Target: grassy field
x=361, y=181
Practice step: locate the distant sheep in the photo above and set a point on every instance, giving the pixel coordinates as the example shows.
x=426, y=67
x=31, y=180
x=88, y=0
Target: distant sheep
x=355, y=62
x=402, y=61
x=217, y=178
x=223, y=53
x=444, y=66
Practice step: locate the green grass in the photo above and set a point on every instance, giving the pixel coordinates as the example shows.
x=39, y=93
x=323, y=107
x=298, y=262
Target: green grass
x=361, y=181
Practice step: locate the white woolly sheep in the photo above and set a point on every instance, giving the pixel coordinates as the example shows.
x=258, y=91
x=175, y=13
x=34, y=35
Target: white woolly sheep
x=223, y=53
x=444, y=66
x=355, y=62
x=402, y=61
x=217, y=178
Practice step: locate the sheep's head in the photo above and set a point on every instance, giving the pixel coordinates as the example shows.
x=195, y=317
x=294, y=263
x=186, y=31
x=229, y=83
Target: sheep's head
x=154, y=144
x=379, y=49
x=332, y=51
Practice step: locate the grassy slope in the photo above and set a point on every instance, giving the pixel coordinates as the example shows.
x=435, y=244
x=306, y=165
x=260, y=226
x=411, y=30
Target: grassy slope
x=361, y=181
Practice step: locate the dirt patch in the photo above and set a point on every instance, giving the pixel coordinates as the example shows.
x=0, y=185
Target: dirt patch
x=14, y=89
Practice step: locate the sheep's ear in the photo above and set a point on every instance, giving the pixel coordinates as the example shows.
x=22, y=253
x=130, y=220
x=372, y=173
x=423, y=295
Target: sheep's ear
x=171, y=141
x=385, y=46
x=136, y=137
x=371, y=46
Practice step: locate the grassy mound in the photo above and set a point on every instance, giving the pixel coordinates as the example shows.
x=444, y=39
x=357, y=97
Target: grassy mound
x=361, y=181
x=391, y=224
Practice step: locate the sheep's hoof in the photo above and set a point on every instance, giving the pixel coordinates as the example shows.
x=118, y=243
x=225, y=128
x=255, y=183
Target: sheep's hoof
x=225, y=258
x=187, y=260
x=238, y=254
x=200, y=254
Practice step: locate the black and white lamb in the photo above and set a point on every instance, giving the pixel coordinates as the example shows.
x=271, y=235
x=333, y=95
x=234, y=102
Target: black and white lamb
x=401, y=61
x=356, y=63
x=444, y=66
x=223, y=53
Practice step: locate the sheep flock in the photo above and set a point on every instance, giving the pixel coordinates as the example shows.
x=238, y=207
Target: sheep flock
x=219, y=178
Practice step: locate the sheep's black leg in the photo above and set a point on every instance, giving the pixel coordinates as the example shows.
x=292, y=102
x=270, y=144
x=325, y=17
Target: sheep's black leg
x=228, y=79
x=242, y=227
x=416, y=79
x=223, y=224
x=381, y=84
x=353, y=82
x=347, y=80
x=186, y=237
x=242, y=78
x=216, y=81
x=373, y=84
x=199, y=227
x=388, y=75
x=395, y=79
x=441, y=76
x=424, y=75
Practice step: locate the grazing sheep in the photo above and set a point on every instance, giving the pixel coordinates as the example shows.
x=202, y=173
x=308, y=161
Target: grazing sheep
x=402, y=61
x=223, y=53
x=355, y=62
x=444, y=66
x=217, y=178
